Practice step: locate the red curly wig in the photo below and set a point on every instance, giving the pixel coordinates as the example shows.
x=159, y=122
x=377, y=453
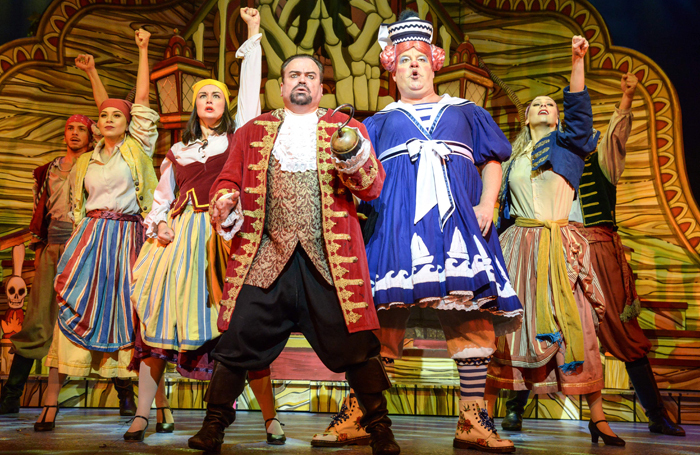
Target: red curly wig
x=390, y=54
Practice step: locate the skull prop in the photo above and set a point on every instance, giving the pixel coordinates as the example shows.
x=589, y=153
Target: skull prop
x=16, y=291
x=16, y=288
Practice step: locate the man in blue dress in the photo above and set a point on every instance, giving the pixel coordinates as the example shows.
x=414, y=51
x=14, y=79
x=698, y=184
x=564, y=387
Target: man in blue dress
x=433, y=244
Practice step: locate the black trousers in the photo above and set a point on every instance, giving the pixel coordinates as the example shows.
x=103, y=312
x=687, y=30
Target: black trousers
x=300, y=300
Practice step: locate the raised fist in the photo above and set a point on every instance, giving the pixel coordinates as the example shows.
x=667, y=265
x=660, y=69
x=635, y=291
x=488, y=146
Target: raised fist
x=85, y=62
x=628, y=84
x=579, y=46
x=250, y=16
x=142, y=36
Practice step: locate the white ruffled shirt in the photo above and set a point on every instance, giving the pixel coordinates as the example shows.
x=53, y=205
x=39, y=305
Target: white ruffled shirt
x=296, y=144
x=296, y=148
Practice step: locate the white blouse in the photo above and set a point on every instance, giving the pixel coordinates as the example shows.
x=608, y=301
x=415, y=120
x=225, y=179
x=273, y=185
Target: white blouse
x=108, y=180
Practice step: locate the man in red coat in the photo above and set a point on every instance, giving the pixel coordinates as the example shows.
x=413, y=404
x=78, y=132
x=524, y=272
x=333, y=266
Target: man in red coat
x=297, y=256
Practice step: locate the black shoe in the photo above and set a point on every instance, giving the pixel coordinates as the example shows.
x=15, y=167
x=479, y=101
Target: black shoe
x=210, y=437
x=515, y=407
x=136, y=435
x=225, y=386
x=608, y=440
x=275, y=439
x=125, y=392
x=9, y=404
x=660, y=422
x=43, y=425
x=10, y=398
x=382, y=440
x=164, y=427
x=644, y=382
x=369, y=380
x=512, y=421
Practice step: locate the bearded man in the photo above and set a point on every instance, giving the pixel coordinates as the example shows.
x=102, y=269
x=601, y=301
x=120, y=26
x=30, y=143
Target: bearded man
x=298, y=261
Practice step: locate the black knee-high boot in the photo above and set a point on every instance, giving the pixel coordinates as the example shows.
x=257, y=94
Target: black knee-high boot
x=515, y=407
x=647, y=390
x=125, y=392
x=14, y=386
x=225, y=386
x=369, y=380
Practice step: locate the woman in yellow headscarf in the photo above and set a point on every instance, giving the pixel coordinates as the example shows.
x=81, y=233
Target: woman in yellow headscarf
x=178, y=276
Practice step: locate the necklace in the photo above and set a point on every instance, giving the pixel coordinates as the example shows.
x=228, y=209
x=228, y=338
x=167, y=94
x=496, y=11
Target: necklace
x=61, y=162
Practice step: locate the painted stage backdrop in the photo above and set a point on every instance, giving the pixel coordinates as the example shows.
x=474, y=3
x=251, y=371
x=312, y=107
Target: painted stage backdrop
x=500, y=54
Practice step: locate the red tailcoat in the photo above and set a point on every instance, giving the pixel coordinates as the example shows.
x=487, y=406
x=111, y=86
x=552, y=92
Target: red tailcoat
x=246, y=171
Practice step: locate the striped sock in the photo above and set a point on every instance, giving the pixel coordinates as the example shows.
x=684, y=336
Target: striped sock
x=472, y=377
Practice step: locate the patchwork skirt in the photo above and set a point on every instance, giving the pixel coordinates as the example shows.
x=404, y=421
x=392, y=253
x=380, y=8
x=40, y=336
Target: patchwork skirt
x=522, y=361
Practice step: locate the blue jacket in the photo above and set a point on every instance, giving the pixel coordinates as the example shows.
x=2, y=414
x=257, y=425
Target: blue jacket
x=565, y=150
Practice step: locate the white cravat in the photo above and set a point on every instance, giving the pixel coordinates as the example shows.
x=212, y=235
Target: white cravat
x=295, y=147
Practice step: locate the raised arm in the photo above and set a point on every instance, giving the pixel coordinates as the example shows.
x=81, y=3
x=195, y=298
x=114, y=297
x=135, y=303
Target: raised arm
x=143, y=83
x=579, y=47
x=579, y=136
x=628, y=84
x=612, y=149
x=251, y=70
x=251, y=17
x=86, y=62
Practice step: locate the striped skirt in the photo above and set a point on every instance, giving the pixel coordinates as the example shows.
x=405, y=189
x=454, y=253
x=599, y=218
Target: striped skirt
x=93, y=281
x=177, y=287
x=521, y=360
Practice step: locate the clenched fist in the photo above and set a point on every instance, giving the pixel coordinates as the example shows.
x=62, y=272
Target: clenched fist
x=250, y=16
x=628, y=84
x=85, y=62
x=579, y=46
x=165, y=233
x=142, y=36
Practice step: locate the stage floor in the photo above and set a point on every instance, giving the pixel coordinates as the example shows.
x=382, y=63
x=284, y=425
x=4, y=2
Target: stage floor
x=95, y=431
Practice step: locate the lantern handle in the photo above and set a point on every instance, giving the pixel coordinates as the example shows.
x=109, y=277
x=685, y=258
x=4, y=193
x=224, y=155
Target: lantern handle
x=352, y=114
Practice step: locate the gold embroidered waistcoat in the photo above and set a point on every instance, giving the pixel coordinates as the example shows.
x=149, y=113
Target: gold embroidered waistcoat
x=292, y=216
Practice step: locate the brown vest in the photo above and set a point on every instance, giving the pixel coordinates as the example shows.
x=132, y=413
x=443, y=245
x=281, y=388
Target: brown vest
x=39, y=226
x=292, y=216
x=194, y=182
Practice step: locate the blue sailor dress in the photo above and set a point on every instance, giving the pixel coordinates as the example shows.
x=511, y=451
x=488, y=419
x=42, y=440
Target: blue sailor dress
x=426, y=247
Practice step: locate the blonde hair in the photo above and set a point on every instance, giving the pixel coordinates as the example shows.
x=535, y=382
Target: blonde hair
x=519, y=145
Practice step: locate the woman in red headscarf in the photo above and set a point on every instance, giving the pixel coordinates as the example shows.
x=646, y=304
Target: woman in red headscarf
x=111, y=191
